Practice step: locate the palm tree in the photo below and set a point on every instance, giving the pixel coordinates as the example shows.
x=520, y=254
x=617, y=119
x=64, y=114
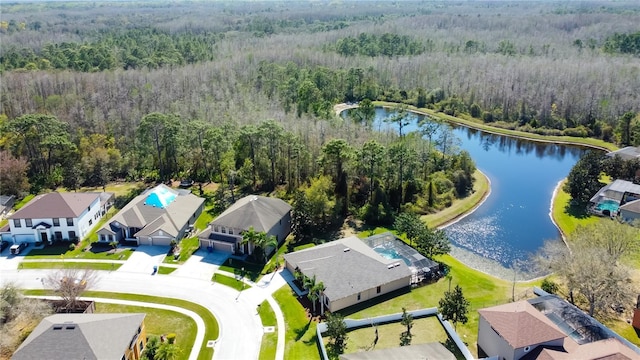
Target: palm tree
x=263, y=242
x=250, y=236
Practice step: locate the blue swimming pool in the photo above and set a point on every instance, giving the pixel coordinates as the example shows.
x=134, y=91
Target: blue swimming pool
x=391, y=254
x=610, y=205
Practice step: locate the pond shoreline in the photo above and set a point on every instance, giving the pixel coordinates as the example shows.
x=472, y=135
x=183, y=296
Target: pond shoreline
x=468, y=258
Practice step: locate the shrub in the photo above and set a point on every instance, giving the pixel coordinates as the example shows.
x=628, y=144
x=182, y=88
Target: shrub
x=72, y=247
x=171, y=338
x=549, y=286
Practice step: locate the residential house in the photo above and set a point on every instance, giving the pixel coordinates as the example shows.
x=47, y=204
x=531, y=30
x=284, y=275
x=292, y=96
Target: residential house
x=608, y=200
x=547, y=327
x=156, y=217
x=58, y=216
x=351, y=271
x=627, y=153
x=264, y=214
x=87, y=337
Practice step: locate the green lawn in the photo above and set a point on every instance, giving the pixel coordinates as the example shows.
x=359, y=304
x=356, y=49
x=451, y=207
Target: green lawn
x=187, y=247
x=300, y=334
x=166, y=270
x=97, y=252
x=424, y=330
x=459, y=207
x=269, y=340
x=251, y=271
x=68, y=265
x=229, y=281
x=212, y=330
x=160, y=322
x=567, y=216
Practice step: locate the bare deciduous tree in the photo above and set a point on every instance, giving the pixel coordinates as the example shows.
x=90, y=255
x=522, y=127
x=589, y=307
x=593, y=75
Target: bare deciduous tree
x=69, y=284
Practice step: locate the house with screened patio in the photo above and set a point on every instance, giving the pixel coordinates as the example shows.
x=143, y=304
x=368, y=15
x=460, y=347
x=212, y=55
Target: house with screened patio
x=156, y=217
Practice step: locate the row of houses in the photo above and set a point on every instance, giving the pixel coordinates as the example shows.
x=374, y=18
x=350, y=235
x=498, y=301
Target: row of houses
x=158, y=216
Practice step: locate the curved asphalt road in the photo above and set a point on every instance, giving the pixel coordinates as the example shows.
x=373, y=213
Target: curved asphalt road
x=240, y=325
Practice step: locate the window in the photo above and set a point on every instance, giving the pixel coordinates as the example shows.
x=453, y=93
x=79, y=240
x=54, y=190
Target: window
x=141, y=346
x=110, y=237
x=69, y=221
x=56, y=222
x=17, y=223
x=28, y=223
x=223, y=230
x=358, y=296
x=58, y=235
x=102, y=237
x=72, y=235
x=378, y=289
x=230, y=231
x=90, y=222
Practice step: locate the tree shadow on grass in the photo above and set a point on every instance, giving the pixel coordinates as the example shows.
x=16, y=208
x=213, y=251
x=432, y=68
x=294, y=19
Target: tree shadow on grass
x=301, y=331
x=577, y=211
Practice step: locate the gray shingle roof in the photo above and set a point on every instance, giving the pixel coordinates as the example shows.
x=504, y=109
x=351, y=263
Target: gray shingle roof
x=56, y=205
x=632, y=206
x=150, y=219
x=261, y=212
x=345, y=273
x=618, y=187
x=80, y=336
x=627, y=153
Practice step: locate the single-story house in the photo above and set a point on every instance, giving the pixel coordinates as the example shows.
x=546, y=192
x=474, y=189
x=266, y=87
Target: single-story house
x=264, y=214
x=613, y=195
x=58, y=216
x=155, y=217
x=547, y=327
x=6, y=203
x=351, y=271
x=627, y=153
x=86, y=336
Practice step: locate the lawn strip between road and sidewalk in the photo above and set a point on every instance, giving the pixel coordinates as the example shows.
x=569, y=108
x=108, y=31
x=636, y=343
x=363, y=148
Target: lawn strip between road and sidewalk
x=69, y=264
x=269, y=339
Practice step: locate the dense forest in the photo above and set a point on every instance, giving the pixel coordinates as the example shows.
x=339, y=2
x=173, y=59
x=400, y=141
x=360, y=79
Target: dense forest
x=242, y=93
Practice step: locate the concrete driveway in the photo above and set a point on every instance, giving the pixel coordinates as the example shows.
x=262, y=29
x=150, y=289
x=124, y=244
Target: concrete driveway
x=144, y=259
x=201, y=265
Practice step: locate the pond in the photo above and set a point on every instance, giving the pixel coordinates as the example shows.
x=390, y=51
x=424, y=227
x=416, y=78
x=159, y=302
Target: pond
x=514, y=221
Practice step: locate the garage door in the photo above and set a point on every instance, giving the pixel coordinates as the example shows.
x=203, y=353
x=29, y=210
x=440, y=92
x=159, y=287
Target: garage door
x=161, y=241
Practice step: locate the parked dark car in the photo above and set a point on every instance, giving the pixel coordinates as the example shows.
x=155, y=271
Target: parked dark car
x=3, y=245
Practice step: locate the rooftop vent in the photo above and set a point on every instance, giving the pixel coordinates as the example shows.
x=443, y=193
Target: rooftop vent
x=57, y=327
x=70, y=327
x=390, y=266
x=346, y=250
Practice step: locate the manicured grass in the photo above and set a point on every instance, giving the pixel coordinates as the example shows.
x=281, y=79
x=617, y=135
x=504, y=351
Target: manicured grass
x=166, y=270
x=235, y=266
x=269, y=340
x=228, y=281
x=187, y=247
x=567, y=216
x=477, y=124
x=160, y=322
x=300, y=335
x=424, y=330
x=480, y=289
x=97, y=252
x=459, y=207
x=23, y=202
x=304, y=246
x=211, y=324
x=68, y=265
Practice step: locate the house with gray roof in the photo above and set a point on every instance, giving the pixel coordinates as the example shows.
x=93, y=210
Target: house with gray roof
x=627, y=153
x=630, y=212
x=86, y=336
x=351, y=271
x=264, y=214
x=57, y=216
x=155, y=217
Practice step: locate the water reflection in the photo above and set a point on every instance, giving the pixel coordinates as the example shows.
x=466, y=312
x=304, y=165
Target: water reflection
x=514, y=221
